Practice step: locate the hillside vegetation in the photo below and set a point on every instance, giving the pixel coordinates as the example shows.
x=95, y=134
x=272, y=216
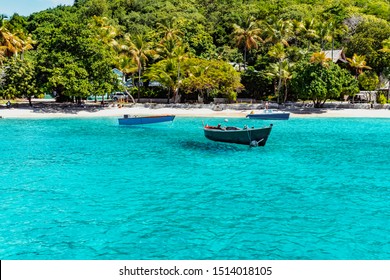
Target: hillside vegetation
x=268, y=50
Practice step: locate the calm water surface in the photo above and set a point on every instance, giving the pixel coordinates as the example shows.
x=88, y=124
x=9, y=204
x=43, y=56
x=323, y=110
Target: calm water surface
x=90, y=189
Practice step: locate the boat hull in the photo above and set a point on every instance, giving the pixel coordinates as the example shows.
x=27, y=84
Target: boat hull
x=239, y=136
x=145, y=120
x=270, y=116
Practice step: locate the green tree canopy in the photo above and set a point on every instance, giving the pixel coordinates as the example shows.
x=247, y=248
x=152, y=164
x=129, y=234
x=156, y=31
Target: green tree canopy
x=367, y=41
x=205, y=76
x=19, y=80
x=71, y=60
x=318, y=82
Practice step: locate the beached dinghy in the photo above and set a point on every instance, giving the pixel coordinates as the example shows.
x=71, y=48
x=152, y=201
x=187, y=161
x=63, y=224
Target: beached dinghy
x=231, y=134
x=134, y=120
x=269, y=114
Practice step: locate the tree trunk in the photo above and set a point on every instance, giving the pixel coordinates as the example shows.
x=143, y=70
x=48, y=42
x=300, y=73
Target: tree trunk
x=245, y=58
x=332, y=48
x=178, y=81
x=132, y=98
x=139, y=82
x=285, y=91
x=175, y=95
x=280, y=80
x=29, y=101
x=388, y=92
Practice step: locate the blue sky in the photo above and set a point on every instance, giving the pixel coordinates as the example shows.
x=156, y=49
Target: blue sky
x=27, y=7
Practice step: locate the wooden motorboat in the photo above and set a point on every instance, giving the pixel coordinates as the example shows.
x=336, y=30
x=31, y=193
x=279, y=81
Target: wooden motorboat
x=231, y=134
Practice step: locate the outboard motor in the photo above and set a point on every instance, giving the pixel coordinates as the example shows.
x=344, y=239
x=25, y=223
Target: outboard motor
x=254, y=143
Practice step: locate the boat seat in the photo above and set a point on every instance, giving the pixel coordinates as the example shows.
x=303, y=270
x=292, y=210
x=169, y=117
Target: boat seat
x=232, y=128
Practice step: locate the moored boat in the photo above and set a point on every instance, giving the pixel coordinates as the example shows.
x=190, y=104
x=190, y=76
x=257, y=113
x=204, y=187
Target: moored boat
x=231, y=134
x=269, y=114
x=136, y=120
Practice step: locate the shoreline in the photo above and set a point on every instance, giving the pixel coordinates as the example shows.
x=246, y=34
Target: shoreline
x=89, y=111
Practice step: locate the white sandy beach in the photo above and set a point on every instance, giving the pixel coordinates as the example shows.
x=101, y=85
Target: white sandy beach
x=139, y=110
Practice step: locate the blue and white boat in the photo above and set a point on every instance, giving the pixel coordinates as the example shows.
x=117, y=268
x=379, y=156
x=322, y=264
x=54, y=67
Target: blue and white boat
x=269, y=114
x=137, y=120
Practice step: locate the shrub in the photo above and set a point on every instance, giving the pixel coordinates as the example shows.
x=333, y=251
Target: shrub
x=382, y=99
x=368, y=80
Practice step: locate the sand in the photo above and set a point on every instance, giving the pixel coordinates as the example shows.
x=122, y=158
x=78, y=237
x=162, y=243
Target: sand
x=72, y=111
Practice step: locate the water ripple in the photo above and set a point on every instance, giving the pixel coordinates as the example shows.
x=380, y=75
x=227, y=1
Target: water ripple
x=89, y=189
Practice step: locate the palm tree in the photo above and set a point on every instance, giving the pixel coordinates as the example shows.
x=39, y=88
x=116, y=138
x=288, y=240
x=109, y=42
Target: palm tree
x=139, y=50
x=359, y=63
x=27, y=44
x=106, y=32
x=11, y=43
x=277, y=51
x=386, y=46
x=320, y=58
x=2, y=54
x=328, y=31
x=248, y=37
x=286, y=74
x=164, y=72
x=305, y=31
x=127, y=66
x=172, y=48
x=283, y=72
x=278, y=31
x=336, y=31
x=166, y=48
x=169, y=31
x=200, y=81
x=324, y=33
x=180, y=54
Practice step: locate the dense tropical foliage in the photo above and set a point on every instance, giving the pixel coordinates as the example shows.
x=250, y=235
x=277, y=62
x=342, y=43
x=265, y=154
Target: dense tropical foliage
x=198, y=49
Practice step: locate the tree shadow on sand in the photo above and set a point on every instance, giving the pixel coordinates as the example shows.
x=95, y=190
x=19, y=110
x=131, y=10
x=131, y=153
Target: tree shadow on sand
x=307, y=111
x=65, y=108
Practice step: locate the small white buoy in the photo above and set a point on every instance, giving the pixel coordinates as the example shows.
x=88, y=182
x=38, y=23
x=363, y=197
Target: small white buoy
x=226, y=120
x=253, y=143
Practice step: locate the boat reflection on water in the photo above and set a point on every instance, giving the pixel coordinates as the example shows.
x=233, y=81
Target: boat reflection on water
x=137, y=120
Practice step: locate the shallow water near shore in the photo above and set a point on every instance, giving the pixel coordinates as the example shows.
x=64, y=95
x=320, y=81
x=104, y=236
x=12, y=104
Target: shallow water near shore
x=91, y=189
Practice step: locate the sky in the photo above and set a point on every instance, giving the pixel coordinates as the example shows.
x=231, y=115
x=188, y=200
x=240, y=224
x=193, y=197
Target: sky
x=27, y=7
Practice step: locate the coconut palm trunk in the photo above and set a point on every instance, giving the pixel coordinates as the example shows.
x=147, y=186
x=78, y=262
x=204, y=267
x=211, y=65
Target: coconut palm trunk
x=139, y=83
x=131, y=96
x=279, y=81
x=178, y=82
x=168, y=95
x=245, y=57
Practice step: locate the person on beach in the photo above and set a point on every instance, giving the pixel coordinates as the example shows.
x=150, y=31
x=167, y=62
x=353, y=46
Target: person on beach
x=8, y=104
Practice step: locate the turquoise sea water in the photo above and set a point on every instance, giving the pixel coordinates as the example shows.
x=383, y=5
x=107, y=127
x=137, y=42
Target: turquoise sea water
x=90, y=189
